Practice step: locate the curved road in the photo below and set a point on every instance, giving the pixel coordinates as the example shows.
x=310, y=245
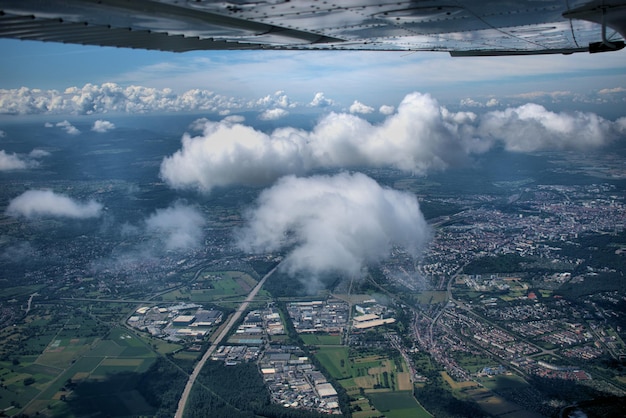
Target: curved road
x=233, y=319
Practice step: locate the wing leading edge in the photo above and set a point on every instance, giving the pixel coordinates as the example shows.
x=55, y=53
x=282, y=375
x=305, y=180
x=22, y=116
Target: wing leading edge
x=461, y=27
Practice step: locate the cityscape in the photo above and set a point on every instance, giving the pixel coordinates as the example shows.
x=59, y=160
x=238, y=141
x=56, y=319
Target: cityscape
x=514, y=307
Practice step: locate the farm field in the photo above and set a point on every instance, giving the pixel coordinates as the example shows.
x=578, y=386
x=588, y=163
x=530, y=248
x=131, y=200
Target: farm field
x=70, y=375
x=398, y=405
x=431, y=297
x=321, y=339
x=382, y=380
x=213, y=287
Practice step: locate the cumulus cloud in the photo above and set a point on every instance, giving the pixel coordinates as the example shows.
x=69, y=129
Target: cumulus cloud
x=46, y=203
x=386, y=109
x=358, y=107
x=469, y=102
x=178, y=227
x=273, y=114
x=17, y=162
x=613, y=90
x=278, y=99
x=492, y=102
x=532, y=127
x=337, y=224
x=68, y=127
x=621, y=125
x=166, y=233
x=229, y=153
x=420, y=136
x=12, y=162
x=38, y=153
x=2, y=134
x=111, y=97
x=102, y=126
x=234, y=119
x=319, y=100
x=555, y=96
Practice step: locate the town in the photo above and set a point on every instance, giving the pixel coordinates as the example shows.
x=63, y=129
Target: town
x=496, y=301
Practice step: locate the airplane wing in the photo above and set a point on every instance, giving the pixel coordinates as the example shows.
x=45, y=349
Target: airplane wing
x=460, y=27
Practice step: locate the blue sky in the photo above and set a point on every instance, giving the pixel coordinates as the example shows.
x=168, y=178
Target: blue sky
x=372, y=78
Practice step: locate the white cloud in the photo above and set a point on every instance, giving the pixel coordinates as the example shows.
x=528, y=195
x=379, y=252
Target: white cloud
x=38, y=153
x=178, y=227
x=17, y=162
x=532, y=127
x=230, y=153
x=12, y=162
x=358, y=107
x=492, y=102
x=46, y=203
x=113, y=98
x=2, y=134
x=48, y=125
x=386, y=109
x=110, y=97
x=469, y=102
x=68, y=127
x=273, y=114
x=333, y=223
x=234, y=119
x=421, y=136
x=102, y=126
x=319, y=100
x=621, y=125
x=554, y=95
x=278, y=99
x=614, y=90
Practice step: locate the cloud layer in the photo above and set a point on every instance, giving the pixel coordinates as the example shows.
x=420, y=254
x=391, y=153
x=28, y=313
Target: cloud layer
x=46, y=203
x=335, y=224
x=420, y=136
x=110, y=97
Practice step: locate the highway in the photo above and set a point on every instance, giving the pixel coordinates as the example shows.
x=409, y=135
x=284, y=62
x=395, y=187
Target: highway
x=222, y=334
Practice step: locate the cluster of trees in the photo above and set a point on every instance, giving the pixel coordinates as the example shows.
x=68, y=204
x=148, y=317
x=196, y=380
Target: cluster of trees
x=435, y=396
x=161, y=386
x=238, y=392
x=262, y=267
x=502, y=263
x=440, y=402
x=281, y=284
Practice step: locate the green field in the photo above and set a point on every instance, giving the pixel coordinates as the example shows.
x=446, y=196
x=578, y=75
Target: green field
x=381, y=379
x=472, y=362
x=214, y=286
x=504, y=381
x=321, y=339
x=398, y=405
x=70, y=374
x=431, y=297
x=335, y=361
